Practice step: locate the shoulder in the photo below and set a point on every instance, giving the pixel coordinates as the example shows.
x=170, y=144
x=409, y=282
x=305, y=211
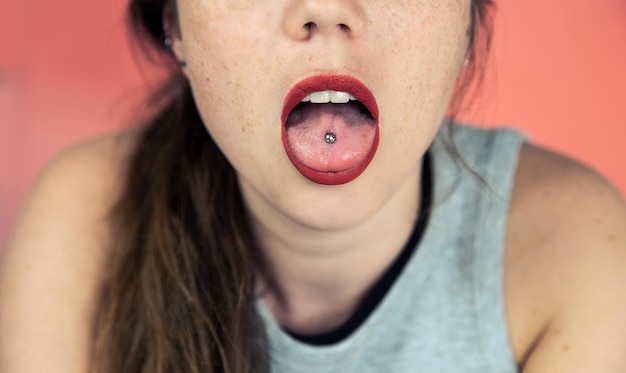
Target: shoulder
x=565, y=265
x=79, y=183
x=52, y=262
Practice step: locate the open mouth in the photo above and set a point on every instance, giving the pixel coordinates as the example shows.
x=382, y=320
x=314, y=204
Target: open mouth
x=330, y=128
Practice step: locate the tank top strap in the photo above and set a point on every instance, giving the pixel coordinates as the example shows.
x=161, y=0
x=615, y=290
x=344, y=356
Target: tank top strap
x=485, y=186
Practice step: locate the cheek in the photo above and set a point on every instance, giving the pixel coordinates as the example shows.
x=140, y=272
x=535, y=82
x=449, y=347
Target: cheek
x=426, y=56
x=428, y=51
x=436, y=45
x=222, y=63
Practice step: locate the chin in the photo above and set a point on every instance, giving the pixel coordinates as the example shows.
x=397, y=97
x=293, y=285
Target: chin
x=337, y=208
x=300, y=204
x=330, y=219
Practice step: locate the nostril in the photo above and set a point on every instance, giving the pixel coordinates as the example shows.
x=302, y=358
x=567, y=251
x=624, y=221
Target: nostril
x=304, y=19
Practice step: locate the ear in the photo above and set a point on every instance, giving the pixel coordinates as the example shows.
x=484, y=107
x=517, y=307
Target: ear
x=173, y=39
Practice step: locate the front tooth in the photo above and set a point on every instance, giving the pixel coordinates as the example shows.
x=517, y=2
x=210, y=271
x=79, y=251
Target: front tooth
x=322, y=97
x=337, y=97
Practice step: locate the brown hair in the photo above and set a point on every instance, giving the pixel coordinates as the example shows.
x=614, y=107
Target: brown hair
x=180, y=291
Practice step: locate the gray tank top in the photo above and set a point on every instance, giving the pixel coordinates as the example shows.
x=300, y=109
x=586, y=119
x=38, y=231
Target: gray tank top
x=445, y=311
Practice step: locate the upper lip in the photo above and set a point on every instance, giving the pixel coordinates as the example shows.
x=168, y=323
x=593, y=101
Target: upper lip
x=336, y=82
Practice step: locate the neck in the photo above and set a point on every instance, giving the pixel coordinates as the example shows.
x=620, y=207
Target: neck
x=322, y=275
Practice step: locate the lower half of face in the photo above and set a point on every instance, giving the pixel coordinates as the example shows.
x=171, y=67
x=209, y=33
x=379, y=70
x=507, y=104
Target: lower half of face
x=299, y=94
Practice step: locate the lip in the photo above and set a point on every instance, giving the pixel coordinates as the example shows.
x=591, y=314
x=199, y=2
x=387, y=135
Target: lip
x=336, y=82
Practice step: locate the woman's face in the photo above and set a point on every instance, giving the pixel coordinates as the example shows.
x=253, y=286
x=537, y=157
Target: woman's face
x=325, y=166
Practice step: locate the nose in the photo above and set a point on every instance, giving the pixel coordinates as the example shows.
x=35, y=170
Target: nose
x=305, y=18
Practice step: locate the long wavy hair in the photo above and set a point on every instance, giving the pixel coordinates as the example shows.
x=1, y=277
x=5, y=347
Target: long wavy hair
x=179, y=294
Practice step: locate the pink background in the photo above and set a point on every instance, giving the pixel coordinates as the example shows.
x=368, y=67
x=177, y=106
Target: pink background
x=67, y=73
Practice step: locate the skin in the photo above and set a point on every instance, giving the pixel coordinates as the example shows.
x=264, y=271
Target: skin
x=565, y=251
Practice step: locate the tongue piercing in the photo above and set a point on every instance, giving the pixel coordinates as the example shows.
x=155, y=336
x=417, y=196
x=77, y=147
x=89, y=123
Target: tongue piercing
x=330, y=138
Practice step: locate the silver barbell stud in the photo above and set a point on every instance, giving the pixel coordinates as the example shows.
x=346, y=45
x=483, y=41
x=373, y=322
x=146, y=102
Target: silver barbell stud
x=330, y=138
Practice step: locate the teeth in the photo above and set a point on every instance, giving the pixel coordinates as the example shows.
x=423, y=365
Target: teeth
x=339, y=97
x=320, y=97
x=324, y=97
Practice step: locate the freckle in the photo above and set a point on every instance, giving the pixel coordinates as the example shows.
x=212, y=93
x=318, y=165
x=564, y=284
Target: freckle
x=611, y=238
x=566, y=348
x=534, y=310
x=557, y=331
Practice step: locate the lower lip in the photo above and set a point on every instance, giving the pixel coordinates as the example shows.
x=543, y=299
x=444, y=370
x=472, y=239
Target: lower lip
x=338, y=83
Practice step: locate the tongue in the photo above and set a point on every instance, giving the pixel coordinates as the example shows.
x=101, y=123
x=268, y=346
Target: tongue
x=354, y=131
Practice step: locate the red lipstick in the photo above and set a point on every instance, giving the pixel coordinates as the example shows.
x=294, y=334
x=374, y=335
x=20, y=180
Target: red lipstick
x=342, y=83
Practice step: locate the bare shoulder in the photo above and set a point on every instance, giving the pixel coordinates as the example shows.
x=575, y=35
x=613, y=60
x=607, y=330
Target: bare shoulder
x=566, y=267
x=52, y=263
